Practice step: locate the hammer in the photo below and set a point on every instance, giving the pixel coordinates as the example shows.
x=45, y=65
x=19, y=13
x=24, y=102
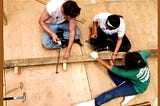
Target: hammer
x=16, y=97
x=60, y=47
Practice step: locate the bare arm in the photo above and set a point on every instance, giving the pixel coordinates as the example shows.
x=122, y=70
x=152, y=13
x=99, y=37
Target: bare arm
x=119, y=42
x=94, y=34
x=72, y=27
x=42, y=21
x=104, y=64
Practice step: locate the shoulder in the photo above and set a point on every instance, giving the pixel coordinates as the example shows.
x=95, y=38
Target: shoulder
x=53, y=4
x=104, y=14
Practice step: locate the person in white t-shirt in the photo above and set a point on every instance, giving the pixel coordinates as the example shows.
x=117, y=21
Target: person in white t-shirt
x=59, y=15
x=109, y=34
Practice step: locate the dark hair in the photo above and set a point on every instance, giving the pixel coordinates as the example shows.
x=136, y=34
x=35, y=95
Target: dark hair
x=133, y=60
x=114, y=20
x=71, y=9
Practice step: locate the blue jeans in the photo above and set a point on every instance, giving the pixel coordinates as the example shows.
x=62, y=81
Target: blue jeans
x=123, y=89
x=47, y=41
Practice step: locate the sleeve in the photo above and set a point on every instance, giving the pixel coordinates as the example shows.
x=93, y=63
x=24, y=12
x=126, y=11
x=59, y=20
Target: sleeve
x=123, y=72
x=96, y=18
x=50, y=7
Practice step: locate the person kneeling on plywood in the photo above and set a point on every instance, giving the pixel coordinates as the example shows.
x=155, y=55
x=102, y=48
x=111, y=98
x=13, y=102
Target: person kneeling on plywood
x=108, y=33
x=60, y=16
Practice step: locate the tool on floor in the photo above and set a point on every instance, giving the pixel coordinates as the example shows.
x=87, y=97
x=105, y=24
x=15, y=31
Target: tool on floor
x=59, y=51
x=11, y=90
x=147, y=103
x=81, y=20
x=16, y=97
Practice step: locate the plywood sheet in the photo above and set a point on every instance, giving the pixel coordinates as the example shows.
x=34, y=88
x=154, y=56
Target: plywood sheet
x=81, y=81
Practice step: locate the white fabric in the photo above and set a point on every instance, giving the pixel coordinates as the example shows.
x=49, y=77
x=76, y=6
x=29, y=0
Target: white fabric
x=127, y=99
x=89, y=103
x=101, y=19
x=53, y=7
x=94, y=55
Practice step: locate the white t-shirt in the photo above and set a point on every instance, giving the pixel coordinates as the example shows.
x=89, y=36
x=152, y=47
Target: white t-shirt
x=53, y=7
x=101, y=19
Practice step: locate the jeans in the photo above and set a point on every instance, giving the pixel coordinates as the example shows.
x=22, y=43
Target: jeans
x=123, y=89
x=47, y=41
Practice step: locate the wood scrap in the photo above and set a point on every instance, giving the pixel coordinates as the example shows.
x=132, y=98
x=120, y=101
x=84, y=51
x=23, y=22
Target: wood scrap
x=147, y=103
x=73, y=59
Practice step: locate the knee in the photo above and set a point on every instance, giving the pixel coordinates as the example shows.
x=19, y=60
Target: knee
x=46, y=45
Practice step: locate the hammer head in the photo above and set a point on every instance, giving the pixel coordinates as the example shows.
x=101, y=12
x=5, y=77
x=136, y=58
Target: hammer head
x=24, y=96
x=59, y=42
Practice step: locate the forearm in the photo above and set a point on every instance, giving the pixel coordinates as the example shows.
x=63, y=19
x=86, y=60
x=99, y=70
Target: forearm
x=95, y=25
x=72, y=28
x=104, y=64
x=118, y=45
x=70, y=43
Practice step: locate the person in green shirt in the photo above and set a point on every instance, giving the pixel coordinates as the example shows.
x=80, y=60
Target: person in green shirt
x=132, y=78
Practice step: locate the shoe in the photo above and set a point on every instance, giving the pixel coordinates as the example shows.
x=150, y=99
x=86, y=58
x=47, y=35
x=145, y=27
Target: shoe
x=89, y=103
x=103, y=49
x=78, y=42
x=127, y=99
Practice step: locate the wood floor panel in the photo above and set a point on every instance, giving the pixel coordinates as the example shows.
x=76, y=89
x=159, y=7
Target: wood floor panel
x=44, y=87
x=81, y=81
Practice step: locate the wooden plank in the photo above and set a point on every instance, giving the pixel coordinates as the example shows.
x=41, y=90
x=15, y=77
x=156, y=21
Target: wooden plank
x=53, y=60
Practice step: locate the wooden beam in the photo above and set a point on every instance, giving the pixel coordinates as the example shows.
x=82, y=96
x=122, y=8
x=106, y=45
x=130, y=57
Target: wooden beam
x=53, y=60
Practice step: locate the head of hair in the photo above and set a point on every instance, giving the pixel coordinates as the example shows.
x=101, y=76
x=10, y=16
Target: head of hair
x=71, y=9
x=133, y=60
x=114, y=20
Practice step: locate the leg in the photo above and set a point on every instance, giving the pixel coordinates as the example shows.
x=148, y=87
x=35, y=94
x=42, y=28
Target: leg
x=47, y=41
x=102, y=38
x=119, y=91
x=65, y=27
x=117, y=79
x=100, y=43
x=126, y=45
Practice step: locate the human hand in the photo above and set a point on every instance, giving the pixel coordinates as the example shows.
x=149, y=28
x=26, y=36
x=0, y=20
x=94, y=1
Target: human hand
x=94, y=35
x=66, y=55
x=54, y=37
x=114, y=57
x=94, y=55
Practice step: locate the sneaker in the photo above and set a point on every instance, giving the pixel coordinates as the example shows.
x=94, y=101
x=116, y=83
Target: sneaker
x=89, y=103
x=127, y=99
x=103, y=49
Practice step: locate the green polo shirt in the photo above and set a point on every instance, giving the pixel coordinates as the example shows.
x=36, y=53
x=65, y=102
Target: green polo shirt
x=139, y=77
